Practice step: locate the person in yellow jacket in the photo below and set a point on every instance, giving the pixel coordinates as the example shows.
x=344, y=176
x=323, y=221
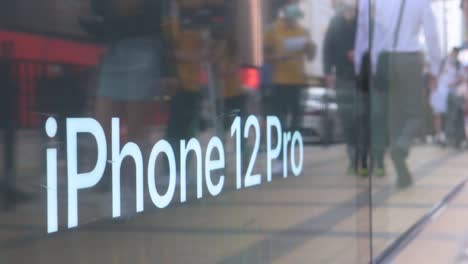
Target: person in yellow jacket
x=287, y=47
x=189, y=52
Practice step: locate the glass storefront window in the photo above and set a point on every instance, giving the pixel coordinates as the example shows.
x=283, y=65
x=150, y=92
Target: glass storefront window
x=216, y=131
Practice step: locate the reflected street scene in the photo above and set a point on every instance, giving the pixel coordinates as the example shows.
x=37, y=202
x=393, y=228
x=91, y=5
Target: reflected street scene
x=233, y=131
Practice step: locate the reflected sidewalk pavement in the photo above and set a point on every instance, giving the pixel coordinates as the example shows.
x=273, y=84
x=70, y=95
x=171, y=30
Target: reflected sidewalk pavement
x=320, y=217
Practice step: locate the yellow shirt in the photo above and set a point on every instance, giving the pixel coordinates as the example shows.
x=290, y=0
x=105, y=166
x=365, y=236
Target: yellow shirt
x=232, y=80
x=190, y=42
x=290, y=71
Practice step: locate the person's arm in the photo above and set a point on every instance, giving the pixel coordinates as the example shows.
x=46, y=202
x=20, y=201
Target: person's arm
x=310, y=48
x=362, y=35
x=272, y=55
x=432, y=38
x=329, y=48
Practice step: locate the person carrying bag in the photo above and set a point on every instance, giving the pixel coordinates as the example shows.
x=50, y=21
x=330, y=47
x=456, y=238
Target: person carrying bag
x=397, y=68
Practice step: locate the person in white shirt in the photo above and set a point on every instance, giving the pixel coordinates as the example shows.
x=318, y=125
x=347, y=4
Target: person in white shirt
x=449, y=78
x=396, y=56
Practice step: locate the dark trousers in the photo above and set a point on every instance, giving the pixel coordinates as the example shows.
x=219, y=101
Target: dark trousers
x=378, y=126
x=184, y=119
x=399, y=78
x=455, y=120
x=347, y=99
x=371, y=131
x=287, y=105
x=363, y=129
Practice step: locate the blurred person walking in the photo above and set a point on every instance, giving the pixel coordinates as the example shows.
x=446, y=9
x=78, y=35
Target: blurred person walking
x=456, y=107
x=287, y=46
x=397, y=61
x=338, y=63
x=130, y=71
x=449, y=79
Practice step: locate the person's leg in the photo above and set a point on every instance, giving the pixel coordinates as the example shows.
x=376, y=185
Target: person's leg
x=405, y=108
x=450, y=120
x=137, y=115
x=189, y=115
x=175, y=126
x=365, y=134
x=346, y=100
x=184, y=119
x=455, y=120
x=362, y=131
x=296, y=107
x=280, y=110
x=192, y=124
x=437, y=126
x=105, y=110
x=379, y=129
x=281, y=104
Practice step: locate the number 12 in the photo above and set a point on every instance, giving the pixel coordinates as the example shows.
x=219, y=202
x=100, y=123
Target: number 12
x=236, y=130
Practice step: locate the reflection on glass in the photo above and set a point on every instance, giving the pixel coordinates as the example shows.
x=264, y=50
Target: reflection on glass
x=221, y=131
x=180, y=131
x=403, y=57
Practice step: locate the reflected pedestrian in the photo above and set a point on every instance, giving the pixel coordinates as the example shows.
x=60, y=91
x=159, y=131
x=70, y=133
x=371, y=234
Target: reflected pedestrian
x=287, y=47
x=455, y=118
x=397, y=66
x=129, y=74
x=338, y=61
x=449, y=79
x=189, y=51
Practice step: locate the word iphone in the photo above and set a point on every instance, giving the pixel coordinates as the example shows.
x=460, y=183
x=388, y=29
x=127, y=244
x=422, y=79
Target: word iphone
x=285, y=145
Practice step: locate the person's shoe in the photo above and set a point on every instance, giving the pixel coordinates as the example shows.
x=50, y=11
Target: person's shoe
x=364, y=173
x=380, y=172
x=403, y=173
x=404, y=182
